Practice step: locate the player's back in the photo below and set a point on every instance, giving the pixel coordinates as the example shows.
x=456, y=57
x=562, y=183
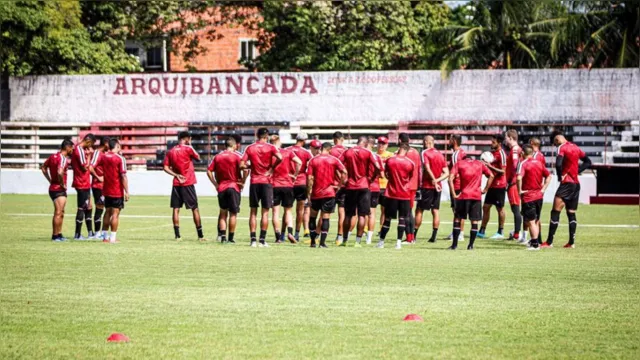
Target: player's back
x=81, y=175
x=226, y=166
x=304, y=155
x=180, y=159
x=337, y=151
x=260, y=156
x=357, y=161
x=436, y=162
x=97, y=166
x=539, y=156
x=457, y=156
x=52, y=164
x=571, y=162
x=533, y=173
x=470, y=172
x=282, y=172
x=323, y=169
x=400, y=170
x=374, y=174
x=414, y=156
x=114, y=165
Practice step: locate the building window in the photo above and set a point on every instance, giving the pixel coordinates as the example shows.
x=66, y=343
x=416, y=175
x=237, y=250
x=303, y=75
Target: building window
x=154, y=57
x=132, y=51
x=248, y=50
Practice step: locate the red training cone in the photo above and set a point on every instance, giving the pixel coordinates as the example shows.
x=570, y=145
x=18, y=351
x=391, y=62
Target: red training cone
x=117, y=337
x=413, y=317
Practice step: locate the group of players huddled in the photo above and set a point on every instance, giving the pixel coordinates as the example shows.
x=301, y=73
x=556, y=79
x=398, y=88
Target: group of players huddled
x=356, y=180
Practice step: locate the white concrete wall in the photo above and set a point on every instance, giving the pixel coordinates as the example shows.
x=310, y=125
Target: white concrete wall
x=13, y=181
x=340, y=97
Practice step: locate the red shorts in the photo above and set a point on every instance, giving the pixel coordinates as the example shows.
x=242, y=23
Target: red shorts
x=412, y=201
x=512, y=194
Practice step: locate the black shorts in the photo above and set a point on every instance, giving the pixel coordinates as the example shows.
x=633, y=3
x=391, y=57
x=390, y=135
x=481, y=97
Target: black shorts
x=283, y=196
x=357, y=202
x=229, y=200
x=326, y=205
x=261, y=194
x=98, y=199
x=300, y=192
x=184, y=195
x=84, y=198
x=341, y=197
x=429, y=199
x=382, y=199
x=531, y=210
x=375, y=199
x=453, y=200
x=113, y=203
x=56, y=194
x=469, y=208
x=395, y=208
x=570, y=194
x=495, y=197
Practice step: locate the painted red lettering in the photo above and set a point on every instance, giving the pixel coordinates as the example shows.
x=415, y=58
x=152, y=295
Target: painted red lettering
x=121, y=87
x=308, y=83
x=250, y=88
x=154, y=86
x=166, y=86
x=236, y=84
x=196, y=86
x=214, y=84
x=137, y=83
x=289, y=84
x=269, y=83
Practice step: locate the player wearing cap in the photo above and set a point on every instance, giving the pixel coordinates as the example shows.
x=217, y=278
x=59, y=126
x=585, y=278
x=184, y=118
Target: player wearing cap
x=300, y=184
x=457, y=154
x=284, y=176
x=533, y=179
x=358, y=161
x=511, y=138
x=435, y=170
x=414, y=156
x=469, y=202
x=228, y=179
x=82, y=184
x=374, y=188
x=336, y=151
x=322, y=171
x=568, y=168
x=54, y=170
x=115, y=189
x=179, y=164
x=496, y=194
x=262, y=158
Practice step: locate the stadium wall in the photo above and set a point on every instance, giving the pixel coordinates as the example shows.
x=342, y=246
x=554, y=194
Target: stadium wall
x=339, y=97
x=18, y=181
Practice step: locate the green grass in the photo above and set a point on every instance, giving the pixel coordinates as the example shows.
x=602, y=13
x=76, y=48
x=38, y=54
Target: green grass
x=191, y=300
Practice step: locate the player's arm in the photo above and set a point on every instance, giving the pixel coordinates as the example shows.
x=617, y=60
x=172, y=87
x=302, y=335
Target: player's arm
x=490, y=177
x=296, y=167
x=547, y=181
x=499, y=171
x=427, y=169
x=194, y=154
x=310, y=180
x=45, y=172
x=586, y=164
x=559, y=161
x=519, y=183
x=277, y=161
x=61, y=170
x=342, y=175
x=212, y=178
x=93, y=172
x=125, y=186
x=452, y=177
x=445, y=174
x=170, y=171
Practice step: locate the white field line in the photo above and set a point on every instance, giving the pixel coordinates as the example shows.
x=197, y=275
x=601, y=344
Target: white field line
x=168, y=217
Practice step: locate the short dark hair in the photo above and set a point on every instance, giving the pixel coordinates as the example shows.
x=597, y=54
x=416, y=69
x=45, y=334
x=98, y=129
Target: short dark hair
x=457, y=139
x=89, y=136
x=404, y=138
x=230, y=142
x=338, y=135
x=527, y=149
x=404, y=146
x=498, y=137
x=555, y=133
x=263, y=132
x=113, y=142
x=237, y=138
x=326, y=146
x=104, y=141
x=362, y=139
x=183, y=135
x=65, y=143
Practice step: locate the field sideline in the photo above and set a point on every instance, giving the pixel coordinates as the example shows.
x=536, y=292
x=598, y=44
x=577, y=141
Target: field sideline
x=192, y=300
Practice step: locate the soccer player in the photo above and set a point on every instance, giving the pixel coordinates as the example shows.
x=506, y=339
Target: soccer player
x=54, y=170
x=284, y=176
x=315, y=147
x=179, y=163
x=228, y=179
x=568, y=168
x=537, y=154
x=357, y=160
x=115, y=189
x=322, y=171
x=414, y=156
x=533, y=180
x=245, y=174
x=82, y=184
x=399, y=170
x=263, y=158
x=458, y=154
x=374, y=188
x=511, y=138
x=300, y=184
x=383, y=144
x=496, y=194
x=435, y=171
x=97, y=182
x=469, y=202
x=336, y=151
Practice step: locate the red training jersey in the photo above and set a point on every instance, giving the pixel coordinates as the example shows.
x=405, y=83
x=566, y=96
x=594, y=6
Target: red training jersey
x=114, y=166
x=260, y=155
x=499, y=162
x=375, y=174
x=226, y=169
x=323, y=169
x=532, y=173
x=571, y=162
x=400, y=170
x=414, y=156
x=283, y=172
x=357, y=161
x=436, y=162
x=470, y=172
x=512, y=164
x=538, y=155
x=54, y=163
x=81, y=174
x=180, y=160
x=304, y=155
x=337, y=150
x=97, y=166
x=457, y=155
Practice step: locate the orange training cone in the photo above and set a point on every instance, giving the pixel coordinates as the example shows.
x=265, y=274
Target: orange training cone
x=413, y=317
x=117, y=337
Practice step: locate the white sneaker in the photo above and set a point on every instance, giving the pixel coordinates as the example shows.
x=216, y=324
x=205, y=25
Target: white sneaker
x=523, y=241
x=368, y=242
x=219, y=239
x=263, y=245
x=531, y=248
x=460, y=237
x=81, y=238
x=398, y=246
x=380, y=244
x=253, y=244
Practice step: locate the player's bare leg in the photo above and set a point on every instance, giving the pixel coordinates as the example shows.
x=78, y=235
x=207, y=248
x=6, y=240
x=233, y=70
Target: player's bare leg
x=264, y=227
x=371, y=224
x=97, y=220
x=287, y=221
x=106, y=224
x=558, y=205
x=313, y=234
x=534, y=230
x=198, y=223
x=115, y=222
x=381, y=216
x=222, y=225
x=253, y=224
x=305, y=223
x=275, y=220
x=473, y=234
x=58, y=217
x=341, y=227
x=418, y=218
x=176, y=223
x=324, y=229
x=486, y=216
x=360, y=230
x=300, y=217
x=233, y=219
x=435, y=213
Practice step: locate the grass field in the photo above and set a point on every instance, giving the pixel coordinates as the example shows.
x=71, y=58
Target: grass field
x=192, y=300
